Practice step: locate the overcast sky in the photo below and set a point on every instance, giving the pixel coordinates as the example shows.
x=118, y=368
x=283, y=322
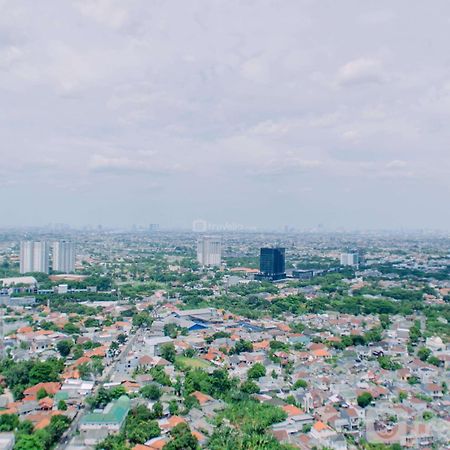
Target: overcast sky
x=263, y=112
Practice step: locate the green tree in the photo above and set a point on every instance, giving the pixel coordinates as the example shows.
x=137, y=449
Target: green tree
x=58, y=425
x=139, y=426
x=151, y=391
x=173, y=407
x=70, y=328
x=249, y=387
x=64, y=347
x=62, y=405
x=142, y=320
x=181, y=439
x=242, y=346
x=434, y=360
x=364, y=399
x=113, y=442
x=25, y=427
x=41, y=393
x=168, y=352
x=157, y=410
x=9, y=422
x=256, y=371
x=423, y=353
x=300, y=384
x=29, y=442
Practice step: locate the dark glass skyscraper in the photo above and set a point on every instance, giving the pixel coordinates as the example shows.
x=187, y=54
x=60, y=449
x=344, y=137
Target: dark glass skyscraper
x=272, y=263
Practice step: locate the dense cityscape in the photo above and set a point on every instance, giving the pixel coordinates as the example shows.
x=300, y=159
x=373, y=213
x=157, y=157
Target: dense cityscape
x=225, y=225
x=152, y=339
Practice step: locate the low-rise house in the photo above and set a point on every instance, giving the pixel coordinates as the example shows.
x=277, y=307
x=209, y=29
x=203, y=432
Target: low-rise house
x=95, y=426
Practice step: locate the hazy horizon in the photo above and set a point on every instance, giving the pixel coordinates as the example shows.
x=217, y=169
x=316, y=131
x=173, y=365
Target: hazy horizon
x=257, y=113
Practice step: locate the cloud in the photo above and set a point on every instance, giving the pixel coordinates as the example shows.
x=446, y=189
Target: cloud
x=8, y=56
x=361, y=71
x=396, y=164
x=106, y=12
x=212, y=97
x=124, y=165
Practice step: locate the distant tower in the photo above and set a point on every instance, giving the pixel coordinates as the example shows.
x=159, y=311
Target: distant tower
x=2, y=338
x=272, y=263
x=350, y=259
x=209, y=251
x=63, y=256
x=26, y=256
x=34, y=256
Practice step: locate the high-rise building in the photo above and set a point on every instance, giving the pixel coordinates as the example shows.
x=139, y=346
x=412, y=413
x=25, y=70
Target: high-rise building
x=26, y=256
x=349, y=259
x=34, y=256
x=272, y=263
x=209, y=251
x=63, y=256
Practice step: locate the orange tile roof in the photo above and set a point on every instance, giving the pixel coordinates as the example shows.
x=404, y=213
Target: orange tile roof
x=172, y=422
x=158, y=445
x=51, y=388
x=46, y=402
x=25, y=330
x=79, y=361
x=263, y=345
x=320, y=353
x=292, y=410
x=11, y=410
x=44, y=332
x=99, y=351
x=199, y=436
x=320, y=426
x=202, y=398
x=71, y=373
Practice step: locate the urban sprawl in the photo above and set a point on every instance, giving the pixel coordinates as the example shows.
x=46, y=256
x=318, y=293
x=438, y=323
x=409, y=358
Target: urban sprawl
x=151, y=340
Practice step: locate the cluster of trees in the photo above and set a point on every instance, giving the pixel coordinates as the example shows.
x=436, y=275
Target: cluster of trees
x=425, y=354
x=181, y=438
x=142, y=319
x=105, y=396
x=20, y=375
x=173, y=330
x=28, y=439
x=387, y=363
x=92, y=368
x=371, y=336
x=254, y=287
x=141, y=425
x=251, y=419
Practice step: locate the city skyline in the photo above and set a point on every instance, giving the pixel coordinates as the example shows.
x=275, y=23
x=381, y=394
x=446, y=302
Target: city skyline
x=144, y=112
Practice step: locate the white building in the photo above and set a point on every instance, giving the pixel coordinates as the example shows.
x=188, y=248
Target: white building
x=349, y=259
x=34, y=256
x=63, y=256
x=209, y=251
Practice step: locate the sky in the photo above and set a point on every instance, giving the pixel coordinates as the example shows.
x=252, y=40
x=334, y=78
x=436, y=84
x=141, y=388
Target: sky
x=263, y=113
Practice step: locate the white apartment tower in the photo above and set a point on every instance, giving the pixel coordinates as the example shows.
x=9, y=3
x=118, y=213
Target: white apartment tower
x=63, y=256
x=209, y=251
x=349, y=259
x=34, y=256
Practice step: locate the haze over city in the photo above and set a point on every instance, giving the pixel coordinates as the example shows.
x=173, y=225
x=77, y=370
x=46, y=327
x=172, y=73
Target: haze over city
x=253, y=112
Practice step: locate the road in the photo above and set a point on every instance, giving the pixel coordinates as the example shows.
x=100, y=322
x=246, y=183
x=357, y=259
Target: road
x=70, y=432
